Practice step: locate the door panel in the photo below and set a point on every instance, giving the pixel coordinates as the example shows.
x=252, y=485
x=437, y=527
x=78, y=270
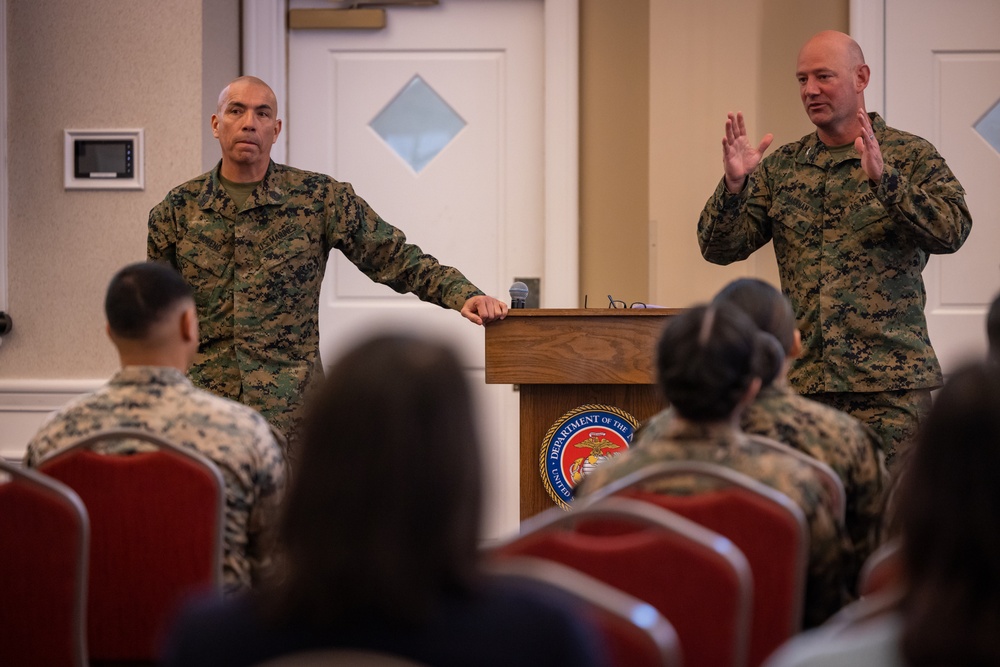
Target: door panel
x=477, y=205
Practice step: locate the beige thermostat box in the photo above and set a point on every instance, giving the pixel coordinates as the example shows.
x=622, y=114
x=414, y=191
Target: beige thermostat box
x=103, y=160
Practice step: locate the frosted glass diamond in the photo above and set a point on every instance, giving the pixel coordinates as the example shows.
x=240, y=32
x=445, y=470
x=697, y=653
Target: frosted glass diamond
x=989, y=127
x=417, y=124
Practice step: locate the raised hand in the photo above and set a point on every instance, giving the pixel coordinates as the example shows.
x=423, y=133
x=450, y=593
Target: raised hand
x=867, y=146
x=739, y=156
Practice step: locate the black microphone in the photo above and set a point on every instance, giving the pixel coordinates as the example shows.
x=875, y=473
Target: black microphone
x=518, y=293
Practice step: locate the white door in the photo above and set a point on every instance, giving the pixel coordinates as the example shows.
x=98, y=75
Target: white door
x=942, y=74
x=468, y=190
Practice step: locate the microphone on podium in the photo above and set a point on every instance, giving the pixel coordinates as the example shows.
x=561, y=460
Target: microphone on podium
x=518, y=294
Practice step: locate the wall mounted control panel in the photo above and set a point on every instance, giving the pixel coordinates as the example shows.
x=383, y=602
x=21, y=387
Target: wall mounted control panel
x=103, y=160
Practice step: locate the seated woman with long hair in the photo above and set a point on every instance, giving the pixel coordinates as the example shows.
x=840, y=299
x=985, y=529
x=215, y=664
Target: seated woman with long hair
x=379, y=537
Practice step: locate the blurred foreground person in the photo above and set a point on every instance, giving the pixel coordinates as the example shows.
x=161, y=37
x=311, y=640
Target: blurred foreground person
x=949, y=610
x=379, y=537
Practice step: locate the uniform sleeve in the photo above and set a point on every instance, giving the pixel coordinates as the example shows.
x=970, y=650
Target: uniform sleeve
x=733, y=226
x=381, y=252
x=161, y=238
x=920, y=194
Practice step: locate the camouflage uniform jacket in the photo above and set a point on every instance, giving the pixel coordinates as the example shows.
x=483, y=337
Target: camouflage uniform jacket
x=238, y=440
x=826, y=590
x=842, y=442
x=850, y=255
x=256, y=273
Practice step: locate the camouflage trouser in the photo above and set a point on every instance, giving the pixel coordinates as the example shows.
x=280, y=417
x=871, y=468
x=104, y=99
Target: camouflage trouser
x=893, y=415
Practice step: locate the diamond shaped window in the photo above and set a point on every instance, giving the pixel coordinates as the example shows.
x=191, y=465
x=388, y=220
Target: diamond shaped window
x=989, y=127
x=417, y=124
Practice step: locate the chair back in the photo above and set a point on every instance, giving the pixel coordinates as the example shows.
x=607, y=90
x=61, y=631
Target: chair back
x=634, y=633
x=45, y=535
x=697, y=579
x=156, y=536
x=882, y=571
x=766, y=525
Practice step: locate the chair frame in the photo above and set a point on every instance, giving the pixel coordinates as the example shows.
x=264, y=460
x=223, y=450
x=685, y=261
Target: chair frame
x=650, y=515
x=65, y=495
x=594, y=592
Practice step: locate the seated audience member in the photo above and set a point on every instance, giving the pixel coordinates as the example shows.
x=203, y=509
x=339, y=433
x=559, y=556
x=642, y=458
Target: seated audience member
x=993, y=330
x=949, y=610
x=847, y=445
x=378, y=540
x=711, y=362
x=152, y=322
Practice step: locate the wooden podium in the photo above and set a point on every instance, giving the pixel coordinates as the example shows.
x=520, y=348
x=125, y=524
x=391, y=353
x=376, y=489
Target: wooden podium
x=564, y=358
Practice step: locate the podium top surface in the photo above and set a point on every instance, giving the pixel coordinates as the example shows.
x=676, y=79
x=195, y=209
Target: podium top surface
x=575, y=345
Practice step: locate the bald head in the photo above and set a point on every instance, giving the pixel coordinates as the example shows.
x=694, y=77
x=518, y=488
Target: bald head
x=837, y=44
x=241, y=81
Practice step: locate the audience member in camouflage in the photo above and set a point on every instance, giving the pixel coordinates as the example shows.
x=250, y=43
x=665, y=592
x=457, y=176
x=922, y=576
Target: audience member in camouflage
x=711, y=361
x=152, y=321
x=847, y=445
x=853, y=210
x=252, y=238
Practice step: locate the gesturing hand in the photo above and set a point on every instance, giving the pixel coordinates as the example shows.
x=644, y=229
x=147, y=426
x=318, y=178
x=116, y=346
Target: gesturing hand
x=867, y=146
x=739, y=156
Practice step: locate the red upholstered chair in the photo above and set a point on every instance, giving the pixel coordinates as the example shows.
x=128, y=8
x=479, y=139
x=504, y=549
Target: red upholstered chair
x=696, y=578
x=766, y=525
x=45, y=535
x=633, y=631
x=156, y=536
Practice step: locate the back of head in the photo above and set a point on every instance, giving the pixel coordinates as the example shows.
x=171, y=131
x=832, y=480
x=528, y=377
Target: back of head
x=383, y=513
x=767, y=307
x=707, y=358
x=949, y=501
x=140, y=296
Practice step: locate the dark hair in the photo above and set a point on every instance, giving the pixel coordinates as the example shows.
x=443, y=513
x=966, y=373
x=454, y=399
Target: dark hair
x=993, y=328
x=708, y=356
x=140, y=295
x=383, y=514
x=948, y=505
x=767, y=307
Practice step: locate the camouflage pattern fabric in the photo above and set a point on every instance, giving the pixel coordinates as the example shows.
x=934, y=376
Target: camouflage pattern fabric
x=826, y=589
x=895, y=415
x=238, y=440
x=256, y=273
x=850, y=255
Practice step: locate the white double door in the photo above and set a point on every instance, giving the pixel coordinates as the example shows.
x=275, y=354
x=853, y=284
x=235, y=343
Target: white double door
x=475, y=201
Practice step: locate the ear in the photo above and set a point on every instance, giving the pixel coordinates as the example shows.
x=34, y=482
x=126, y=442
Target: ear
x=277, y=130
x=215, y=126
x=189, y=324
x=796, y=350
x=751, y=393
x=862, y=76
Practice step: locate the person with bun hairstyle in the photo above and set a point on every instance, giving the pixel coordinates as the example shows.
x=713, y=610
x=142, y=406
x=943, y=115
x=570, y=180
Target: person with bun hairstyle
x=711, y=362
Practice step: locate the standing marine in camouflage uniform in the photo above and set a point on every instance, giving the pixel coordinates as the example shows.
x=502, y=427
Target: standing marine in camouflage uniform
x=711, y=362
x=853, y=210
x=252, y=238
x=152, y=322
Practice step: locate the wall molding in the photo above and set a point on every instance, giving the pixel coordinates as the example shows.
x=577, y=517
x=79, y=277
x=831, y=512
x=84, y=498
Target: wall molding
x=26, y=404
